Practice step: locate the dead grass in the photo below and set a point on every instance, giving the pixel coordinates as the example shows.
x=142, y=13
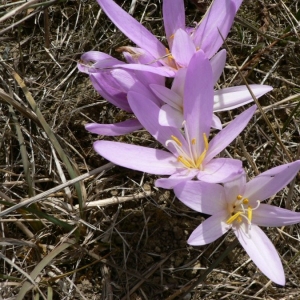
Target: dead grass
x=132, y=244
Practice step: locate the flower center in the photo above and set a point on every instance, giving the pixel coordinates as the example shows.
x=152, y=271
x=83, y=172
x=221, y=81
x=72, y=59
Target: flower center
x=240, y=210
x=188, y=154
x=171, y=60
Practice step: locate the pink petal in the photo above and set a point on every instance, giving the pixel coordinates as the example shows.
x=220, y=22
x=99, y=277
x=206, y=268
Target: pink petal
x=132, y=28
x=220, y=170
x=216, y=123
x=267, y=215
x=218, y=63
x=124, y=78
x=270, y=182
x=204, y=197
x=262, y=252
x=229, y=133
x=134, y=55
x=198, y=97
x=174, y=17
x=168, y=96
x=215, y=26
x=147, y=113
x=179, y=81
x=233, y=97
x=94, y=61
x=176, y=178
x=138, y=158
x=169, y=116
x=235, y=187
x=210, y=230
x=110, y=90
x=116, y=129
x=183, y=48
x=163, y=71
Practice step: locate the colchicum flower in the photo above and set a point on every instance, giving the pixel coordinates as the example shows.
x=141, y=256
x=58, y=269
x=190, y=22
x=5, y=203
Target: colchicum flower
x=113, y=85
x=183, y=41
x=171, y=113
x=191, y=155
x=237, y=206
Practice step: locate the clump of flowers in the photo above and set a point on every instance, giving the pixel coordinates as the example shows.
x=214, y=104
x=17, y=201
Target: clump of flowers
x=181, y=118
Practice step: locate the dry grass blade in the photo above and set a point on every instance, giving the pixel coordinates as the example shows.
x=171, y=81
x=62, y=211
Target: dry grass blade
x=81, y=193
x=41, y=196
x=41, y=265
x=259, y=106
x=17, y=10
x=122, y=241
x=19, y=107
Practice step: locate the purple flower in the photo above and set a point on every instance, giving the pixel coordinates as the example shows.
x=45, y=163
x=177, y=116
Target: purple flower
x=237, y=206
x=190, y=154
x=171, y=113
x=113, y=85
x=183, y=42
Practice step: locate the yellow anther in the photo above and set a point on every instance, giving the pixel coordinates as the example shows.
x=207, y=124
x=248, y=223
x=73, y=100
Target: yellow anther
x=172, y=36
x=234, y=217
x=169, y=54
x=193, y=141
x=176, y=140
x=205, y=141
x=250, y=210
x=239, y=219
x=246, y=201
x=200, y=159
x=184, y=161
x=239, y=197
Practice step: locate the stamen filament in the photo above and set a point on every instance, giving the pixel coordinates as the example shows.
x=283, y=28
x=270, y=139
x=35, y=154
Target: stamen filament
x=205, y=141
x=250, y=213
x=184, y=161
x=174, y=138
x=234, y=217
x=200, y=159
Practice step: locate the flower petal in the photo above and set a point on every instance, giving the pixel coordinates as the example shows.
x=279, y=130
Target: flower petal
x=174, y=17
x=270, y=182
x=132, y=28
x=220, y=170
x=204, y=197
x=262, y=252
x=179, y=81
x=229, y=133
x=169, y=116
x=147, y=113
x=135, y=55
x=210, y=230
x=110, y=90
x=233, y=97
x=268, y=215
x=94, y=61
x=116, y=129
x=215, y=26
x=235, y=187
x=183, y=48
x=176, y=178
x=218, y=64
x=138, y=158
x=216, y=122
x=198, y=97
x=163, y=71
x=168, y=96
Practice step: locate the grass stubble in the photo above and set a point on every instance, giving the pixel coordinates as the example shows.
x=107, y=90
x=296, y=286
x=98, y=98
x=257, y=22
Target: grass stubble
x=74, y=226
